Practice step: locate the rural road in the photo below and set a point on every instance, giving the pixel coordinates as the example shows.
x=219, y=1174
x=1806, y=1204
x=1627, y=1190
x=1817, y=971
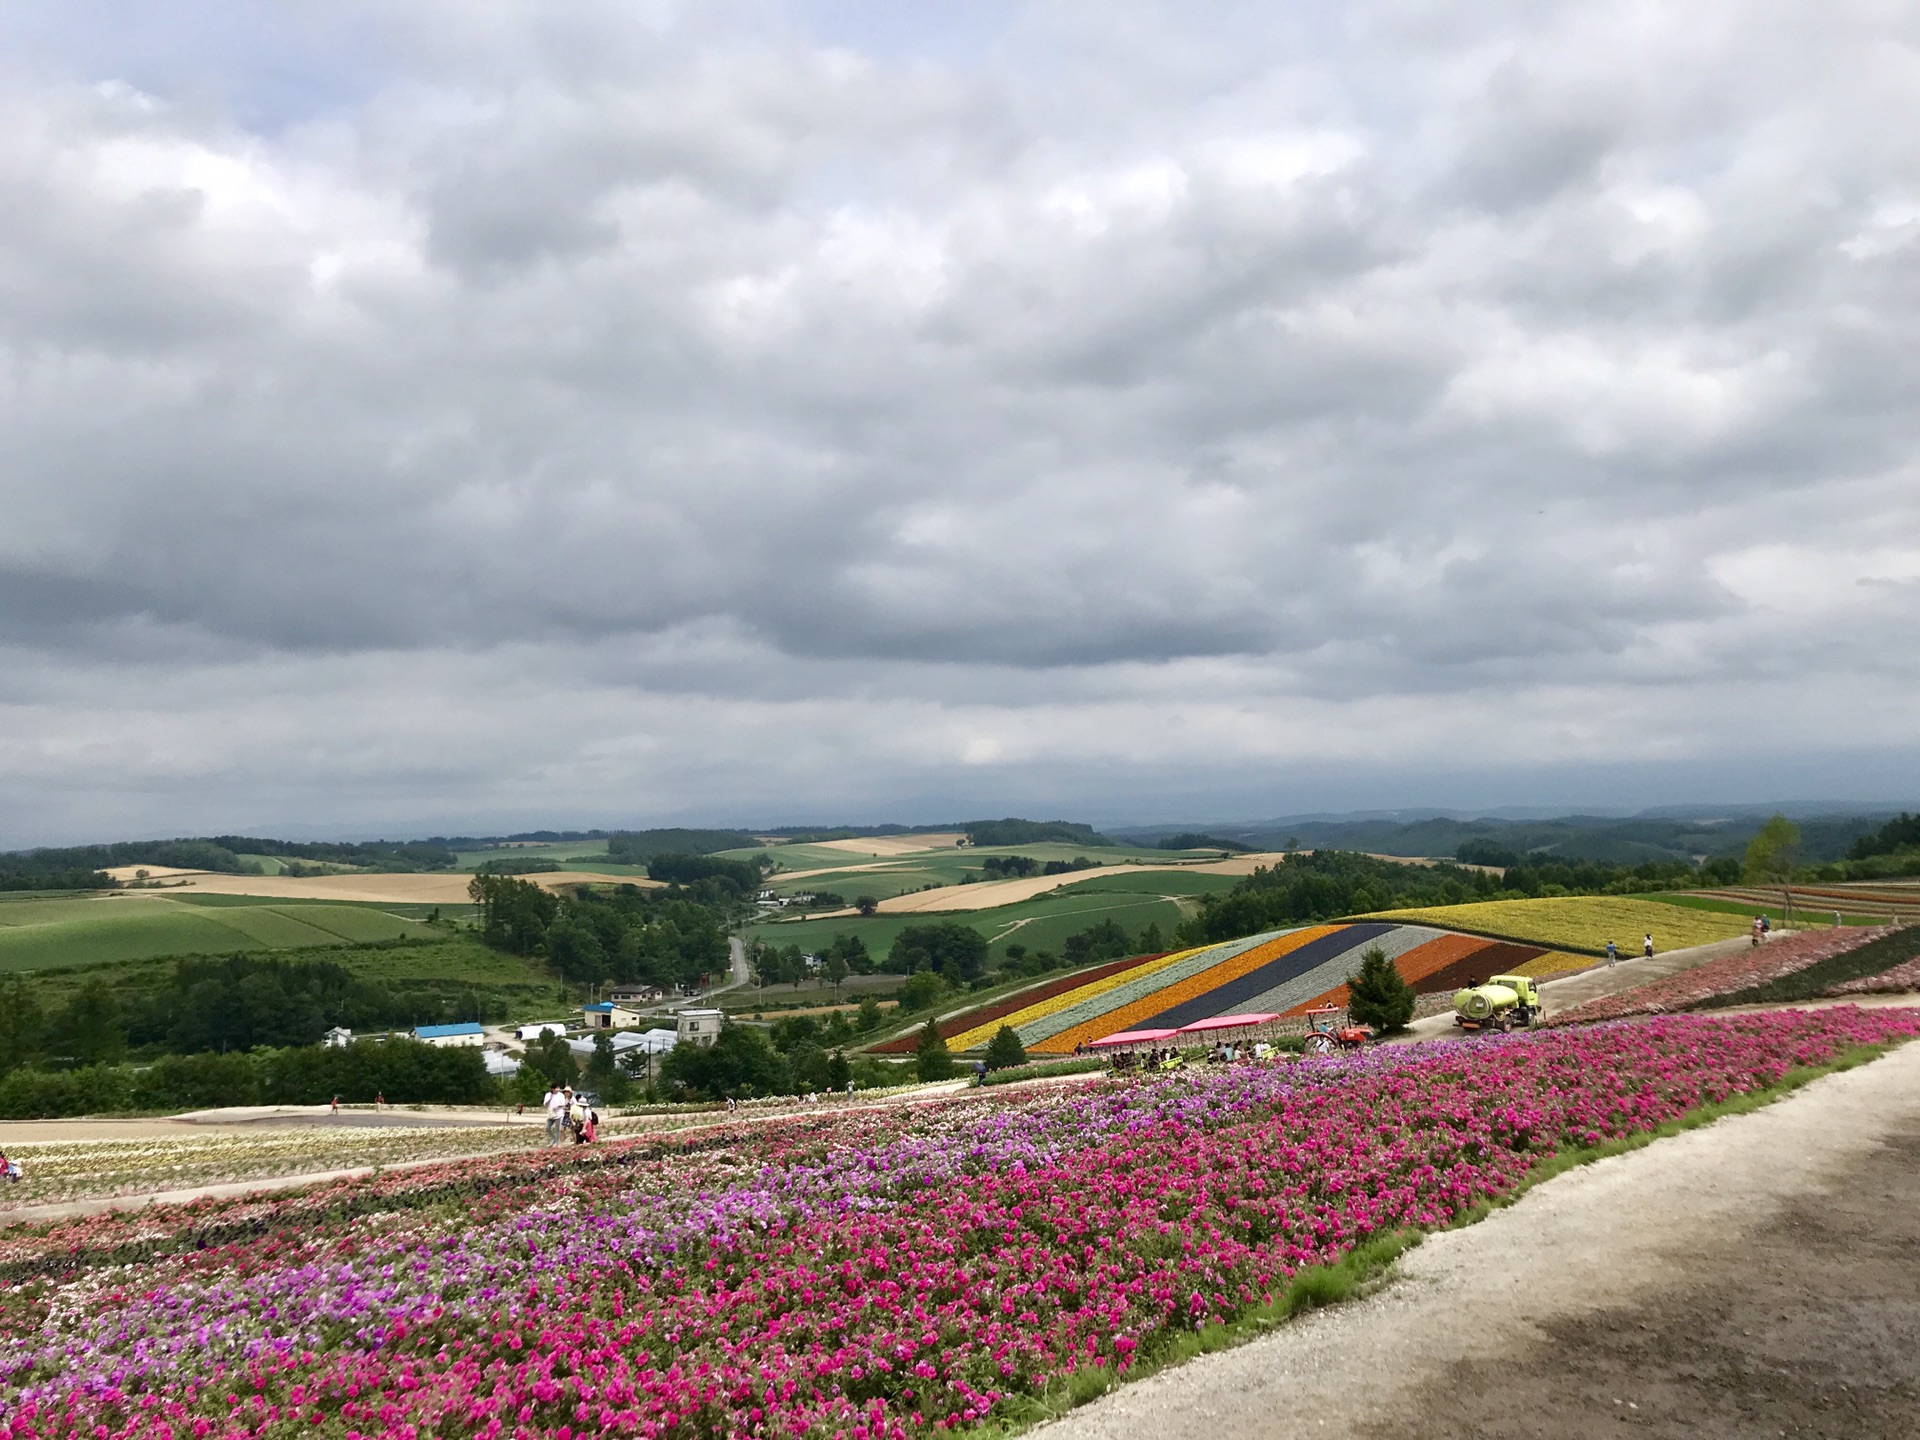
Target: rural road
x=1584, y=985
x=1759, y=1276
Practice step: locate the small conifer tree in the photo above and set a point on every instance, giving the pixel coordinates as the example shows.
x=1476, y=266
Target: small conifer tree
x=1377, y=996
x=1005, y=1049
x=931, y=1058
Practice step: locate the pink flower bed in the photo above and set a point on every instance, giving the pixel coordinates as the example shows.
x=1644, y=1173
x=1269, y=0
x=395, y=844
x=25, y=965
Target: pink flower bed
x=1728, y=975
x=870, y=1275
x=1900, y=977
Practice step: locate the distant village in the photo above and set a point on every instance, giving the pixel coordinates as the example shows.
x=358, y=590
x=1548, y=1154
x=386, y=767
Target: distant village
x=619, y=1017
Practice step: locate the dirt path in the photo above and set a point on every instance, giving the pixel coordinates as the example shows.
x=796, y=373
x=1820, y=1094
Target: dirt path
x=1757, y=1277
x=248, y=1120
x=260, y=1185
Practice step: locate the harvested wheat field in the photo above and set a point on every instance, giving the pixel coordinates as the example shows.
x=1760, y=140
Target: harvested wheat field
x=991, y=894
x=895, y=845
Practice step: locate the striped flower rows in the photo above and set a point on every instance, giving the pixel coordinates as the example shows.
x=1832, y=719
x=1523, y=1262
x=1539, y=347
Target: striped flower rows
x=1061, y=1012
x=1279, y=972
x=882, y=1276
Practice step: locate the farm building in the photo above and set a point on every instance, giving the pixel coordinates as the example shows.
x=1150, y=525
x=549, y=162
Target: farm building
x=609, y=1015
x=467, y=1032
x=698, y=1027
x=338, y=1038
x=651, y=1042
x=635, y=994
x=539, y=1028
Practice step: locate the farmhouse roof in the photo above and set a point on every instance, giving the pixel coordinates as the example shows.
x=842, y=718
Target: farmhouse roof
x=441, y=1032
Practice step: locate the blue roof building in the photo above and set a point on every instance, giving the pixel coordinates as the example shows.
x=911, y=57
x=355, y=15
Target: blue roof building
x=467, y=1032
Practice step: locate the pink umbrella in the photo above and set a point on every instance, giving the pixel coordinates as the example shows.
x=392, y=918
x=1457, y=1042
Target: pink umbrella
x=1133, y=1037
x=1226, y=1022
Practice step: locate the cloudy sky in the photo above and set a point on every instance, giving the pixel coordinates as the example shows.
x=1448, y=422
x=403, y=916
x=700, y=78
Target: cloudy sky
x=483, y=414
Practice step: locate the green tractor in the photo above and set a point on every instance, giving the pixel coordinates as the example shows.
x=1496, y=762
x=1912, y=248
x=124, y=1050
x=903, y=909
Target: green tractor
x=1500, y=1004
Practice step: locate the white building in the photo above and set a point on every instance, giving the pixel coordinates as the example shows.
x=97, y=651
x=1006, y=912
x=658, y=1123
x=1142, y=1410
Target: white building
x=539, y=1028
x=697, y=1027
x=338, y=1038
x=467, y=1032
x=608, y=1015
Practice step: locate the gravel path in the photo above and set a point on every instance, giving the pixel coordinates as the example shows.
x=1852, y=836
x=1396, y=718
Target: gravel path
x=1760, y=1276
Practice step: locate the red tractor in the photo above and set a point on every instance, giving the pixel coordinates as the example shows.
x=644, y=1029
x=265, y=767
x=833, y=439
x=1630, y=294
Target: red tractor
x=1326, y=1033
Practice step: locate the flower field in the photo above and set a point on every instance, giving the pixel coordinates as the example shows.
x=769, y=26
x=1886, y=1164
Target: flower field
x=1280, y=972
x=1893, y=980
x=74, y=1169
x=873, y=1274
x=1583, y=923
x=1729, y=975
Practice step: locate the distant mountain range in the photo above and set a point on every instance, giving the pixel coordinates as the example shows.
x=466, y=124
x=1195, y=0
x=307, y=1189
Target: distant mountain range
x=1670, y=833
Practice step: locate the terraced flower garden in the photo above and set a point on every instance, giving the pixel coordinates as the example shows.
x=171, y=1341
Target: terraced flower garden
x=1581, y=923
x=1281, y=972
x=878, y=1274
x=1795, y=967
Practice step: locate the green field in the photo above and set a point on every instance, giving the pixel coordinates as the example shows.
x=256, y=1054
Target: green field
x=1043, y=923
x=434, y=974
x=98, y=930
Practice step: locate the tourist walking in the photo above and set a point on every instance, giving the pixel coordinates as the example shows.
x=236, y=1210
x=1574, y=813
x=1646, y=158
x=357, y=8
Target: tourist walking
x=1613, y=952
x=1647, y=949
x=556, y=1108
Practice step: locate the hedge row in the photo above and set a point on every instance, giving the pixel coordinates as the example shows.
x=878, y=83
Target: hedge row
x=401, y=1071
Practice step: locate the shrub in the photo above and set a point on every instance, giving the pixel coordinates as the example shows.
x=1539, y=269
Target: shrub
x=931, y=1058
x=1378, y=996
x=1005, y=1049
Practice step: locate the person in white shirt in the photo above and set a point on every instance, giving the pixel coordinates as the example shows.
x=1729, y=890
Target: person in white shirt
x=556, y=1105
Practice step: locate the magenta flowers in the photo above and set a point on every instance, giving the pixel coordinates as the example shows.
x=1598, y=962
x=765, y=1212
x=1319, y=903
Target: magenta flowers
x=877, y=1274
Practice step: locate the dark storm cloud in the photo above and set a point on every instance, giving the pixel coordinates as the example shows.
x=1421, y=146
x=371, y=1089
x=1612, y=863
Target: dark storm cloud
x=561, y=399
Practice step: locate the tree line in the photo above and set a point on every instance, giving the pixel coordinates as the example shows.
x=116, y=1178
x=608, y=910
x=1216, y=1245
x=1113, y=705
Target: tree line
x=401, y=1071
x=624, y=934
x=227, y=1003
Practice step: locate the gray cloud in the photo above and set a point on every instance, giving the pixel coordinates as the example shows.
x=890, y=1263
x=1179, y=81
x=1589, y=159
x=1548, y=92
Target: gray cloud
x=680, y=409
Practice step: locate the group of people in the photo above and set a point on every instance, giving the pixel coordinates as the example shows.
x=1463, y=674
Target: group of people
x=1158, y=1058
x=1763, y=927
x=9, y=1169
x=1646, y=950
x=569, y=1117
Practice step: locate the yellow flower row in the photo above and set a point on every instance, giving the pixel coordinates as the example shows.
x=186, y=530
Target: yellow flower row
x=1554, y=962
x=1212, y=978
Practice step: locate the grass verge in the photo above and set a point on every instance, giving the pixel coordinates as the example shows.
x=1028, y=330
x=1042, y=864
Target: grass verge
x=1363, y=1269
x=1013, y=1074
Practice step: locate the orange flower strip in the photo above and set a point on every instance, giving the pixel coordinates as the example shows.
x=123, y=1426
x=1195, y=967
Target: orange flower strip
x=1040, y=1009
